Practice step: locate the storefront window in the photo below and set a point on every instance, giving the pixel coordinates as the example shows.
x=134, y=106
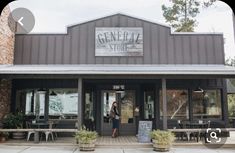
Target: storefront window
x=63, y=103
x=32, y=102
x=29, y=110
x=149, y=105
x=207, y=104
x=177, y=104
x=89, y=119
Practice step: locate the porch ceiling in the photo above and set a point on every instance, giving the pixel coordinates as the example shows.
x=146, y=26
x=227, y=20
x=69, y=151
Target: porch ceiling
x=212, y=70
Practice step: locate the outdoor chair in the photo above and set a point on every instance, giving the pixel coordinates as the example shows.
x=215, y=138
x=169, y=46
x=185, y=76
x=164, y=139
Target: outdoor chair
x=28, y=126
x=49, y=131
x=203, y=134
x=181, y=135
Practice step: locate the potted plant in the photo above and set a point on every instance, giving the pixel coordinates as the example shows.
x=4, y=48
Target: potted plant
x=3, y=136
x=86, y=140
x=14, y=121
x=162, y=140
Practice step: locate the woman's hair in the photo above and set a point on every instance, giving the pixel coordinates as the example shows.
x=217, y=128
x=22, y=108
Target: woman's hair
x=113, y=105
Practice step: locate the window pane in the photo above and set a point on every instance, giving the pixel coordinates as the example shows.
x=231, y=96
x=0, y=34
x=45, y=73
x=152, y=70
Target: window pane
x=28, y=109
x=177, y=104
x=127, y=107
x=89, y=118
x=148, y=104
x=89, y=110
x=207, y=104
x=108, y=98
x=63, y=103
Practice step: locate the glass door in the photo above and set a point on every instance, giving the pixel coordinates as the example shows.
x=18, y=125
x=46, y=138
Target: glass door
x=126, y=104
x=107, y=98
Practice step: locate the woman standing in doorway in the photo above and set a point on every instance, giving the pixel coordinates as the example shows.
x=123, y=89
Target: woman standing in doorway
x=115, y=118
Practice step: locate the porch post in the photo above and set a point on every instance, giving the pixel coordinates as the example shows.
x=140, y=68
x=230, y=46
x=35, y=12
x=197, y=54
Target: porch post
x=164, y=104
x=79, y=124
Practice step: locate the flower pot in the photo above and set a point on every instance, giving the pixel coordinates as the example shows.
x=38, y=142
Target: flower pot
x=160, y=147
x=87, y=146
x=18, y=135
x=2, y=139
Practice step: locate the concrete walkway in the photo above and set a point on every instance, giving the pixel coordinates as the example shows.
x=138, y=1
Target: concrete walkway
x=73, y=149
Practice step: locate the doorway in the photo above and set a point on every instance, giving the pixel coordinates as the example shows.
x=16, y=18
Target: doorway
x=126, y=104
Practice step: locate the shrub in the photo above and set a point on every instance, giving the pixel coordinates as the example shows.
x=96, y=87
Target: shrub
x=84, y=136
x=162, y=137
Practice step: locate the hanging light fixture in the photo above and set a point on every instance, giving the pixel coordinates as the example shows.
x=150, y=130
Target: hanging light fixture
x=41, y=90
x=53, y=93
x=198, y=90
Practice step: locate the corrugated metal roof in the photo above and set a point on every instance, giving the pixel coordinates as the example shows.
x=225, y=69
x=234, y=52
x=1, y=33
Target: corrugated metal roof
x=120, y=69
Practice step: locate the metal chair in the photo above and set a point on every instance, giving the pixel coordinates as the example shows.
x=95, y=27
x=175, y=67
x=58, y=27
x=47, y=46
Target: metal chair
x=28, y=126
x=49, y=132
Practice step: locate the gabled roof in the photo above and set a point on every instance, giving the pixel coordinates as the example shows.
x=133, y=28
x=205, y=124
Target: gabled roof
x=119, y=14
x=129, y=16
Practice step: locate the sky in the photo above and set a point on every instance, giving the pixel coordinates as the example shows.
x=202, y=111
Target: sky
x=53, y=16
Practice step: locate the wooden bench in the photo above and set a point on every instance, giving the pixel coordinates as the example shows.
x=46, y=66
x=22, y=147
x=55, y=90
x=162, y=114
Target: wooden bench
x=36, y=131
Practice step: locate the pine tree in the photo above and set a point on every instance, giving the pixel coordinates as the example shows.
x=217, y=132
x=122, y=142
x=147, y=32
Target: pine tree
x=181, y=15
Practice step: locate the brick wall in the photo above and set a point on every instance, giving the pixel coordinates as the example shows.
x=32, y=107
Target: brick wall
x=7, y=38
x=5, y=97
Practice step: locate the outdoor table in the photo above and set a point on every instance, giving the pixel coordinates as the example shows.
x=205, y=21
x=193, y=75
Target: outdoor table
x=197, y=125
x=40, y=125
x=193, y=125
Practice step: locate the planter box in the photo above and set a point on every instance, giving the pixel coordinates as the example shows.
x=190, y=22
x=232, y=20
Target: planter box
x=87, y=146
x=160, y=147
x=18, y=135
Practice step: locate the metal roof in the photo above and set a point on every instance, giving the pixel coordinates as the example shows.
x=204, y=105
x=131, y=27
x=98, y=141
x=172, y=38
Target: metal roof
x=120, y=69
x=123, y=14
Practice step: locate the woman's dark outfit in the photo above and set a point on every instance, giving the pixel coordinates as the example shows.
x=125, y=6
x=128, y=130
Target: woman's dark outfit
x=116, y=118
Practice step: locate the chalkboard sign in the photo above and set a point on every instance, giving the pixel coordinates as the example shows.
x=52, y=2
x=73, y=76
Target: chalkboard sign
x=145, y=127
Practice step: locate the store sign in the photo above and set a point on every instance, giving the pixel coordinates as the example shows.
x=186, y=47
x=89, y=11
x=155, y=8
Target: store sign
x=118, y=87
x=119, y=42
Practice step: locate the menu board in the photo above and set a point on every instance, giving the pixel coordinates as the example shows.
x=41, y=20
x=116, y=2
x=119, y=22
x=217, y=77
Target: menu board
x=145, y=127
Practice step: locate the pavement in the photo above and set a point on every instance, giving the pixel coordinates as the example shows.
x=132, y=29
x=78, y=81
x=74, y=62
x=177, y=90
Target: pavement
x=74, y=149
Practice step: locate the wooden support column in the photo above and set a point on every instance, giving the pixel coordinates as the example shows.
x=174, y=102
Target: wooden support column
x=157, y=108
x=164, y=104
x=79, y=124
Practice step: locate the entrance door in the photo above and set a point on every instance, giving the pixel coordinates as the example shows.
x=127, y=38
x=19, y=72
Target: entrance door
x=126, y=105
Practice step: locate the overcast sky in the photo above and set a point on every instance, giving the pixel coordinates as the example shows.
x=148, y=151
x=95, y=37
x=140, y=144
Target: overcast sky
x=53, y=16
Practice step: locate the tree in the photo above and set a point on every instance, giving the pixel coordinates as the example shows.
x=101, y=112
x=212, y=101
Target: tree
x=230, y=61
x=181, y=15
x=231, y=97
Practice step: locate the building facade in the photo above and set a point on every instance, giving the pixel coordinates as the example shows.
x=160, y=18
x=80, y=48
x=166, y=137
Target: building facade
x=152, y=73
x=7, y=39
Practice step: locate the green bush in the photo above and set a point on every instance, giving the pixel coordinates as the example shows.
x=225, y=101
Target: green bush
x=13, y=121
x=162, y=137
x=84, y=136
